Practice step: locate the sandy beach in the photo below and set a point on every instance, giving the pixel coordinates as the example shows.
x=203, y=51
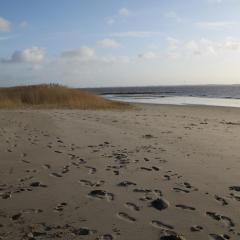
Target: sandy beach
x=156, y=172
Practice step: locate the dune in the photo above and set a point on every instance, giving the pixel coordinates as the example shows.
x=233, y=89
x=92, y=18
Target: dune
x=54, y=96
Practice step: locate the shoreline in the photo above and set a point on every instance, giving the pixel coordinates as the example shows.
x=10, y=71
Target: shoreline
x=181, y=100
x=194, y=106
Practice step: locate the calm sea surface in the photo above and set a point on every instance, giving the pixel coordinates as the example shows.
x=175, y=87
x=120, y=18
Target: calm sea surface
x=213, y=95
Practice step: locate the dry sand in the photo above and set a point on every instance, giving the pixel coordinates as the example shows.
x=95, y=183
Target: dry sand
x=160, y=172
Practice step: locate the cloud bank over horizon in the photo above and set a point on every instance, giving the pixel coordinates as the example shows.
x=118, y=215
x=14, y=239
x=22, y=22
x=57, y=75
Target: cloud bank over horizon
x=126, y=45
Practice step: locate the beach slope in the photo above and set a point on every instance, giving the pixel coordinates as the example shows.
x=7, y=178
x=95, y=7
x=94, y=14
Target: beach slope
x=155, y=172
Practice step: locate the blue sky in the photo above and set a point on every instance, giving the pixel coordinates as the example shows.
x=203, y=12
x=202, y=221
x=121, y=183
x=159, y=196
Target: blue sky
x=88, y=43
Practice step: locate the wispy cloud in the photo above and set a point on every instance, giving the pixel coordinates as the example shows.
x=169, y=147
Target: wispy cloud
x=5, y=25
x=108, y=43
x=136, y=34
x=89, y=56
x=216, y=25
x=83, y=53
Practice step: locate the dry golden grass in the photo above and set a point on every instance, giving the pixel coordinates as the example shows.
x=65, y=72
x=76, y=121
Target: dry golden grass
x=54, y=96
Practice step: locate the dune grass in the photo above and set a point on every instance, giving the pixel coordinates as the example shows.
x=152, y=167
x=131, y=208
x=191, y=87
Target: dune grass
x=54, y=96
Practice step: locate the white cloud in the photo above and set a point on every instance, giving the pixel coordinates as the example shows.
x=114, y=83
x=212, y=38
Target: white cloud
x=87, y=56
x=232, y=44
x=83, y=53
x=32, y=55
x=148, y=55
x=192, y=48
x=84, y=67
x=216, y=25
x=202, y=47
x=79, y=67
x=5, y=25
x=137, y=34
x=124, y=12
x=108, y=43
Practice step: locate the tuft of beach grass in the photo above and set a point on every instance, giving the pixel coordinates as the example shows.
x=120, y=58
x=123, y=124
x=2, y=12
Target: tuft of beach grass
x=47, y=96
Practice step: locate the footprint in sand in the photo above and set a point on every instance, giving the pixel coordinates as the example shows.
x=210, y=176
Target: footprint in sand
x=218, y=237
x=235, y=188
x=105, y=237
x=196, y=228
x=132, y=206
x=17, y=216
x=126, y=184
x=91, y=170
x=161, y=225
x=148, y=136
x=54, y=174
x=146, y=169
x=78, y=162
x=181, y=190
x=101, y=194
x=167, y=177
x=172, y=237
x=5, y=195
x=149, y=194
x=37, y=184
x=126, y=217
x=65, y=169
x=225, y=220
x=140, y=190
x=185, y=207
x=48, y=166
x=25, y=161
x=185, y=188
x=155, y=168
x=23, y=155
x=91, y=184
x=58, y=151
x=60, y=207
x=221, y=200
x=82, y=231
x=25, y=179
x=32, y=210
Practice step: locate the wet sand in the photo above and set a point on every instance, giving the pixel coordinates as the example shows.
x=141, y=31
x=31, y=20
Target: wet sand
x=159, y=172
